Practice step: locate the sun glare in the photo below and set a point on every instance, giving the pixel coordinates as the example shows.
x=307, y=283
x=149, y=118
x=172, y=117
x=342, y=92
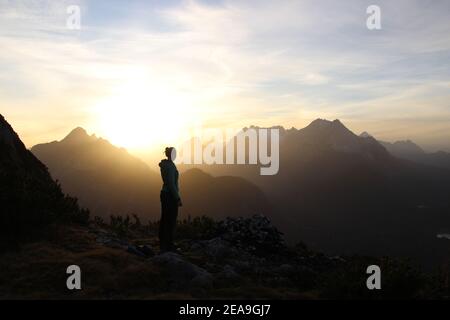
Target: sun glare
x=142, y=116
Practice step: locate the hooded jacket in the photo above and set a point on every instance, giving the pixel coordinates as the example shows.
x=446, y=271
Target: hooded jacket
x=169, y=175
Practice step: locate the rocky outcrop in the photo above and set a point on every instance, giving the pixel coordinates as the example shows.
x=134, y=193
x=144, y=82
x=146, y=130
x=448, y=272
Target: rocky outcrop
x=182, y=272
x=255, y=234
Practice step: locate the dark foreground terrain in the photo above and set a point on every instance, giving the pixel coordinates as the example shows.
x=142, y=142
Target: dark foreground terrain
x=233, y=259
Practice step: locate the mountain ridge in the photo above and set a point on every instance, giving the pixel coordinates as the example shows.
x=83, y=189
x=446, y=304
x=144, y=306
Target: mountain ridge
x=111, y=181
x=409, y=150
x=334, y=187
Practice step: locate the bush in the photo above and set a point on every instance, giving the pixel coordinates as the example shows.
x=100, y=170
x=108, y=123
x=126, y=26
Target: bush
x=121, y=225
x=199, y=228
x=28, y=206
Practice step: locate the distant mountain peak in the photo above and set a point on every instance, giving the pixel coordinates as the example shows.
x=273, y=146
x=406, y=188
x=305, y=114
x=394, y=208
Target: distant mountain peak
x=325, y=122
x=337, y=136
x=323, y=125
x=78, y=131
x=320, y=123
x=77, y=135
x=403, y=148
x=365, y=134
x=405, y=142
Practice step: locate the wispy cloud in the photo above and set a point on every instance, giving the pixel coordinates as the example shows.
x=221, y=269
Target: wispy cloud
x=235, y=63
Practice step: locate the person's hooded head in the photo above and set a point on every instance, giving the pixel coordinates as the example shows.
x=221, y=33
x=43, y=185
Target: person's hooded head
x=171, y=153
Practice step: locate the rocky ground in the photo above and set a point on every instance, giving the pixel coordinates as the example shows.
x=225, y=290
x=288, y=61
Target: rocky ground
x=239, y=258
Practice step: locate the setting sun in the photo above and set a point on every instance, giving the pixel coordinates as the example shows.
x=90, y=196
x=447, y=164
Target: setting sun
x=142, y=115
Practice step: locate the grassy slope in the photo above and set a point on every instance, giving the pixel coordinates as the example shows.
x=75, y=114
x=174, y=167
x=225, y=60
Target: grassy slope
x=38, y=271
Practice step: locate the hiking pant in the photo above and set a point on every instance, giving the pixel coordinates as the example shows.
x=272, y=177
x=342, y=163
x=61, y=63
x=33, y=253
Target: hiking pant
x=169, y=213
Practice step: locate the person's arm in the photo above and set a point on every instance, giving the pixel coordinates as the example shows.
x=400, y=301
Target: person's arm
x=171, y=184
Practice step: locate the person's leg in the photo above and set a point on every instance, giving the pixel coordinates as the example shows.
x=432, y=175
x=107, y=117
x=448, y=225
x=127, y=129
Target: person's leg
x=163, y=241
x=172, y=223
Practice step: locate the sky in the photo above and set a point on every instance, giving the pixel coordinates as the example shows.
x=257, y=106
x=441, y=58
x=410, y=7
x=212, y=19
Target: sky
x=140, y=72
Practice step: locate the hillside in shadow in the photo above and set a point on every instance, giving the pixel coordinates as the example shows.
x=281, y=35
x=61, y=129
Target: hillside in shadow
x=30, y=201
x=110, y=181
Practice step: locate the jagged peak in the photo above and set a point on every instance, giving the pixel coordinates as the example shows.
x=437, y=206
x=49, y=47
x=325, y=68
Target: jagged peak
x=404, y=142
x=408, y=145
x=365, y=134
x=321, y=124
x=77, y=134
x=78, y=131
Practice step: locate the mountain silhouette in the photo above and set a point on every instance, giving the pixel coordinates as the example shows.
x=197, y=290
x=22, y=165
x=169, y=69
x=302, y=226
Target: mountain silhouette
x=333, y=135
x=402, y=148
x=110, y=181
x=106, y=179
x=30, y=199
x=409, y=150
x=340, y=192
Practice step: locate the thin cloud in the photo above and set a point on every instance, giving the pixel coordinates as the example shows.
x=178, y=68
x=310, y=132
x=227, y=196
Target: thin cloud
x=278, y=61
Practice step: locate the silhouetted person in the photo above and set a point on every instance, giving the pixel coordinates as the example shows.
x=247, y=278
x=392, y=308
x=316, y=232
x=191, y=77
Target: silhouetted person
x=170, y=200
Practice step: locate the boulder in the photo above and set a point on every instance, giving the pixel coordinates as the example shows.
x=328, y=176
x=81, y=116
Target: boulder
x=216, y=248
x=182, y=272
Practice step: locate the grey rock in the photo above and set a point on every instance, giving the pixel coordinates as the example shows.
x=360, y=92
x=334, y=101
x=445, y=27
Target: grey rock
x=204, y=281
x=146, y=250
x=184, y=272
x=228, y=272
x=216, y=248
x=133, y=250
